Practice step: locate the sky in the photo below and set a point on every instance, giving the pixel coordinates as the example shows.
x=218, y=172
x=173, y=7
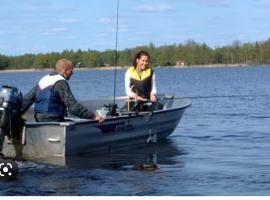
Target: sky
x=42, y=26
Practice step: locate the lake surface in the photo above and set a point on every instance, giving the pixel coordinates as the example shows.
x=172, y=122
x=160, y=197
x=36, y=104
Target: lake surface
x=220, y=147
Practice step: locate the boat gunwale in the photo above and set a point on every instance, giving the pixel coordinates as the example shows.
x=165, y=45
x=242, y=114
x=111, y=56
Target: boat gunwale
x=90, y=121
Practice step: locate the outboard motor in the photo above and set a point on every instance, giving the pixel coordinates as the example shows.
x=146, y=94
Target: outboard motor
x=10, y=108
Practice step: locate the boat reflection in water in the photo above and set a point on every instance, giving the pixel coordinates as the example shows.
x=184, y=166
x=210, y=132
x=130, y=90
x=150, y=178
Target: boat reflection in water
x=147, y=157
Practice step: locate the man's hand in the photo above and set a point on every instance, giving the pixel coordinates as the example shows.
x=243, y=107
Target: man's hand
x=153, y=98
x=99, y=119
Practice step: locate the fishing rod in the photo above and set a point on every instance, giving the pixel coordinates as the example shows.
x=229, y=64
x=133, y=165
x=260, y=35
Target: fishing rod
x=116, y=48
x=112, y=107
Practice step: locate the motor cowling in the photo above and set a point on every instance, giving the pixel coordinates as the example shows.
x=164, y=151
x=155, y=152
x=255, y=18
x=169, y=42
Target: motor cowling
x=10, y=105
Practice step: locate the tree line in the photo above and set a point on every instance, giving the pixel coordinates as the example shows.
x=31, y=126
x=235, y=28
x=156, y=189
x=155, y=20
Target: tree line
x=189, y=53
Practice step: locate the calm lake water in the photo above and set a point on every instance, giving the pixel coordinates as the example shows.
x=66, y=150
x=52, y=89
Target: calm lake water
x=220, y=147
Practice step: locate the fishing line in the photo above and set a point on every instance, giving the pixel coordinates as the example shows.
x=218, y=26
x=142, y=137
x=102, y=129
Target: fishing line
x=221, y=96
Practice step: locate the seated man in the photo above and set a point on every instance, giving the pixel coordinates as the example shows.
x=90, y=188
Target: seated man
x=53, y=98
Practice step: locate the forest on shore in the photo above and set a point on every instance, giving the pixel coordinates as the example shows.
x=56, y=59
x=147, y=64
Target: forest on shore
x=189, y=53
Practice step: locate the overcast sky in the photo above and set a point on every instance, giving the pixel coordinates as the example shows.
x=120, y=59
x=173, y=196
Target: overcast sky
x=40, y=26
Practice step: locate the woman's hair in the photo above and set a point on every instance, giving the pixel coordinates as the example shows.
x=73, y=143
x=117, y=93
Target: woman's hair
x=138, y=56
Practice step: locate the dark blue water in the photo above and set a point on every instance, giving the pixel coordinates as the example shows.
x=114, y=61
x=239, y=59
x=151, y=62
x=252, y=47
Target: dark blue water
x=221, y=146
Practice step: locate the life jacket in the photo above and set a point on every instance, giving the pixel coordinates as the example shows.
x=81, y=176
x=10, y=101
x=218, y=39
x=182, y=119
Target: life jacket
x=141, y=85
x=47, y=100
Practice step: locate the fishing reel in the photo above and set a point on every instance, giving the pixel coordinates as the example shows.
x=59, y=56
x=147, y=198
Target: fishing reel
x=145, y=106
x=141, y=106
x=110, y=110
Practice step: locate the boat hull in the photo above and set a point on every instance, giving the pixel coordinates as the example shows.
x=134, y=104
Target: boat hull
x=79, y=136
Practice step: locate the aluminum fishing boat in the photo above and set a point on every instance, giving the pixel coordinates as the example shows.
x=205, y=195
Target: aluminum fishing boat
x=78, y=136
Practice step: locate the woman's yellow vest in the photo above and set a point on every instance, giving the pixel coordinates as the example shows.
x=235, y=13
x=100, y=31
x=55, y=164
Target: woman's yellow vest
x=141, y=84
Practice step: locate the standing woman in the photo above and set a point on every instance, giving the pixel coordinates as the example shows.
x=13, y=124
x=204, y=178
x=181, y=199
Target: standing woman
x=140, y=79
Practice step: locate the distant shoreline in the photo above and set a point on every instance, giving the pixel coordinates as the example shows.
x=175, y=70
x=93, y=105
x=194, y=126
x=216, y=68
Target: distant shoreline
x=214, y=65
x=50, y=70
x=125, y=67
